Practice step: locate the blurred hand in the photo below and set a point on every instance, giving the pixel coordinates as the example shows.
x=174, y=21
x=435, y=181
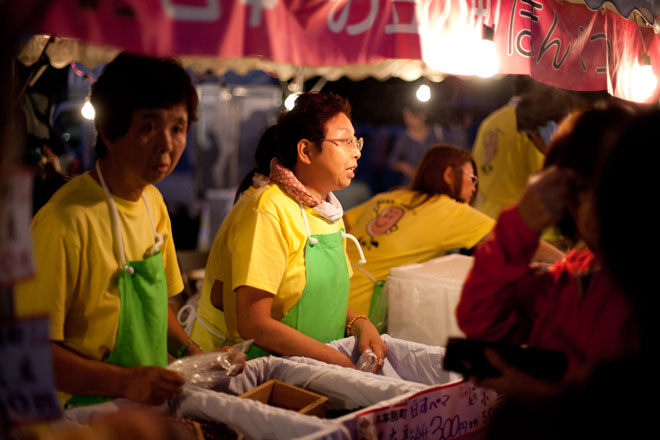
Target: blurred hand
x=546, y=198
x=235, y=359
x=151, y=385
x=369, y=337
x=513, y=382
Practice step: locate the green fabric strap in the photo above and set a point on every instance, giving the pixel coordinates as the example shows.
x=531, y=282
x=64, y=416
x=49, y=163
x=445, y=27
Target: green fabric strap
x=378, y=307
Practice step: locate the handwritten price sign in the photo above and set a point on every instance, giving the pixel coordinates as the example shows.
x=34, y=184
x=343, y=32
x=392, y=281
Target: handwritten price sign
x=27, y=390
x=16, y=247
x=442, y=412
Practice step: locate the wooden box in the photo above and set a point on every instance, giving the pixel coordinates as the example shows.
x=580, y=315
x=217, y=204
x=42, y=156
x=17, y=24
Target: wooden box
x=283, y=395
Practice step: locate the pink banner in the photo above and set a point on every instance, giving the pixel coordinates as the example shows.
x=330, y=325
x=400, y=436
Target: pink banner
x=563, y=45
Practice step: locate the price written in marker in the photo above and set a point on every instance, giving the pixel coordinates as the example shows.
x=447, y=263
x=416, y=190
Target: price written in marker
x=27, y=391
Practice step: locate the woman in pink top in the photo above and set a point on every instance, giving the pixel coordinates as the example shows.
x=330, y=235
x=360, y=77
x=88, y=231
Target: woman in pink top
x=574, y=306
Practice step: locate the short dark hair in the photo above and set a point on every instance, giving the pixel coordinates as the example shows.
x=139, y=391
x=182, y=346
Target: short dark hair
x=265, y=152
x=582, y=144
x=307, y=120
x=625, y=215
x=131, y=82
x=429, y=176
x=627, y=223
x=542, y=103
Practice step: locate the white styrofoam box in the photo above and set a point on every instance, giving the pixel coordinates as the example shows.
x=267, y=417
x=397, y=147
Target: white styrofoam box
x=451, y=269
x=405, y=360
x=253, y=419
x=423, y=297
x=344, y=388
x=412, y=382
x=447, y=406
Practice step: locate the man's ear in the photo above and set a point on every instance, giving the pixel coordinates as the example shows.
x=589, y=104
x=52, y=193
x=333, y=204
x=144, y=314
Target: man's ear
x=104, y=138
x=304, y=148
x=448, y=176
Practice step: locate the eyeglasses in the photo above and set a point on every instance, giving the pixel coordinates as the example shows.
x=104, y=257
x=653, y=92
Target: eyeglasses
x=474, y=179
x=352, y=142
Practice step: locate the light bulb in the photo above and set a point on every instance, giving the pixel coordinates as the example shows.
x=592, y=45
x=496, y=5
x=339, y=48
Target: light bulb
x=290, y=101
x=486, y=62
x=642, y=82
x=423, y=93
x=87, y=110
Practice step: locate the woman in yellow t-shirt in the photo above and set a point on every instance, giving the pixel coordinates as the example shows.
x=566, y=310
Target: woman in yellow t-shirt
x=277, y=270
x=417, y=223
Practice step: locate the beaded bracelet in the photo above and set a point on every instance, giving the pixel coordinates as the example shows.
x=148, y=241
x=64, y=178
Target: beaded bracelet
x=184, y=347
x=349, y=326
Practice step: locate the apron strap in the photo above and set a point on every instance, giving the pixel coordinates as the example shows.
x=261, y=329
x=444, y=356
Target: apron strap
x=312, y=240
x=207, y=327
x=188, y=315
x=351, y=237
x=365, y=272
x=115, y=220
x=159, y=238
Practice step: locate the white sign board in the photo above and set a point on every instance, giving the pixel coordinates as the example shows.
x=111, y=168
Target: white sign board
x=27, y=391
x=16, y=247
x=459, y=410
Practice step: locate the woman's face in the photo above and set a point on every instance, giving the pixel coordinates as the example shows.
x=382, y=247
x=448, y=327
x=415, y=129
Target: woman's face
x=152, y=146
x=469, y=182
x=335, y=164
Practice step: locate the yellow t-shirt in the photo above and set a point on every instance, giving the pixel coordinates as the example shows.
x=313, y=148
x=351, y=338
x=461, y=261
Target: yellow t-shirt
x=394, y=229
x=77, y=262
x=260, y=244
x=505, y=159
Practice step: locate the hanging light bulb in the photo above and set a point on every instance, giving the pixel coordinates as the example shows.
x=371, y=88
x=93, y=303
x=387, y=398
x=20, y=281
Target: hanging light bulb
x=423, y=93
x=87, y=110
x=487, y=63
x=295, y=87
x=290, y=100
x=643, y=81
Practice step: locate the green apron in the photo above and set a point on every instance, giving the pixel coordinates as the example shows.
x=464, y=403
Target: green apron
x=378, y=307
x=378, y=304
x=321, y=310
x=142, y=328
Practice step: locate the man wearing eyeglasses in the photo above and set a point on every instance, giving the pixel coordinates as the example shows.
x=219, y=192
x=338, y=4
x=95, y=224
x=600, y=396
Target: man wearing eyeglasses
x=278, y=271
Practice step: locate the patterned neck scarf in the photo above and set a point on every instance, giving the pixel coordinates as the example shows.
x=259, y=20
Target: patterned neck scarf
x=330, y=208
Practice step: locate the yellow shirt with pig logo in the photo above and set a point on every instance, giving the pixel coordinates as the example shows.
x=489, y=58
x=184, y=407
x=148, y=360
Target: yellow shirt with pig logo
x=505, y=159
x=399, y=227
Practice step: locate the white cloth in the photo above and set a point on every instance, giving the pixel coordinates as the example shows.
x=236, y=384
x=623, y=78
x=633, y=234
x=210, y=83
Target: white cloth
x=405, y=360
x=330, y=208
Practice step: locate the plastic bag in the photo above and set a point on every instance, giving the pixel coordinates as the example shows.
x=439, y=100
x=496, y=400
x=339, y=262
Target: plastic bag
x=208, y=369
x=368, y=361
